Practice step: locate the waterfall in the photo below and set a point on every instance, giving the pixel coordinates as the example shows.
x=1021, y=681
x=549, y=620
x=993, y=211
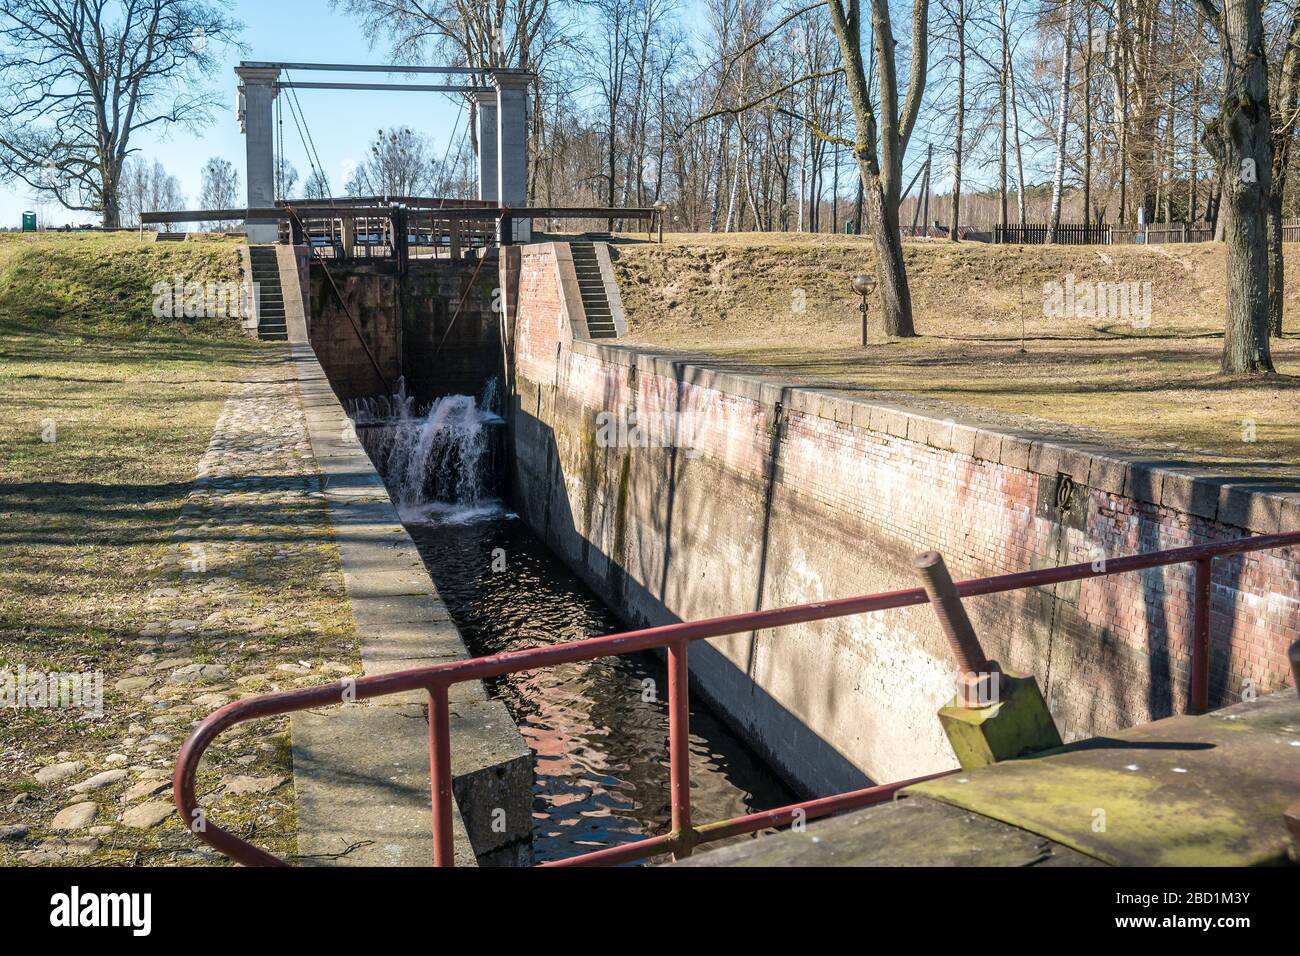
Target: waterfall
x=437, y=463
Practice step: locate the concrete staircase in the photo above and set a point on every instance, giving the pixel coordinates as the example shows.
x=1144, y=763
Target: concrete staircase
x=595, y=300
x=270, y=299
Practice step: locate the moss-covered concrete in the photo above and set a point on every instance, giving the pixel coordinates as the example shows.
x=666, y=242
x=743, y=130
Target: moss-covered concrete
x=1186, y=791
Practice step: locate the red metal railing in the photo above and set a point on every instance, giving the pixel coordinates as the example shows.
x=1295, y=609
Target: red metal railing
x=675, y=638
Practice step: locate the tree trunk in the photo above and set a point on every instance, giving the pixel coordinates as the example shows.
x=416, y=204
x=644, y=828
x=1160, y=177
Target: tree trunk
x=1002, y=116
x=1284, y=120
x=111, y=194
x=955, y=217
x=894, y=295
x=1016, y=142
x=1087, y=125
x=1240, y=137
x=1063, y=107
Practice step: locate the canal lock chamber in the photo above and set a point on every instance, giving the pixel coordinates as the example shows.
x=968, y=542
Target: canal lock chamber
x=417, y=360
x=598, y=729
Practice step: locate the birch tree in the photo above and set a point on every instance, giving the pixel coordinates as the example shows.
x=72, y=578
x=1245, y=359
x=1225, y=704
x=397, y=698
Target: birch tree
x=1063, y=113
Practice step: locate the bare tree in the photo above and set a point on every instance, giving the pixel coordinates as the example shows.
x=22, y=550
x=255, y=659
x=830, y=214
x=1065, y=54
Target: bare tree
x=220, y=189
x=1063, y=112
x=1285, y=116
x=147, y=187
x=79, y=78
x=958, y=14
x=286, y=177
x=317, y=185
x=398, y=164
x=881, y=139
x=1240, y=139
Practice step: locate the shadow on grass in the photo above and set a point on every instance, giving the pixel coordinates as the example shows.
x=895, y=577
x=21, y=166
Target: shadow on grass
x=59, y=514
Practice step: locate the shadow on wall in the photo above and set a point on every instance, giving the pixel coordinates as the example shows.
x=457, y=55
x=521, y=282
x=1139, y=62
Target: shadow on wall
x=544, y=503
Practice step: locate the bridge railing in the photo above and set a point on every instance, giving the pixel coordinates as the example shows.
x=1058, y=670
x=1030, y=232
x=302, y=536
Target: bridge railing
x=676, y=640
x=370, y=227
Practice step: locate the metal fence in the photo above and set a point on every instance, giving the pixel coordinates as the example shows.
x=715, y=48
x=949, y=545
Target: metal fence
x=675, y=639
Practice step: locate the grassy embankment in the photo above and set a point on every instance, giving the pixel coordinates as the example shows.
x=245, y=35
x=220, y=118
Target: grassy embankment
x=85, y=533
x=1156, y=388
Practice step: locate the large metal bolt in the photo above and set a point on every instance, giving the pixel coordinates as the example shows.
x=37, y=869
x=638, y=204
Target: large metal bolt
x=979, y=679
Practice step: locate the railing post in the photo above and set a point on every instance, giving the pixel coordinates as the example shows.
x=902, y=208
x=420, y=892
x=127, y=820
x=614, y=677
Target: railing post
x=1200, y=691
x=440, y=774
x=679, y=748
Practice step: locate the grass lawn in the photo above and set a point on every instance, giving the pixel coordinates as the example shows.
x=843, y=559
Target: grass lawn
x=108, y=412
x=783, y=303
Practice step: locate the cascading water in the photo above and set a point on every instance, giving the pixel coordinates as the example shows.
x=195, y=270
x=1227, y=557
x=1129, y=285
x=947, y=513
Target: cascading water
x=438, y=463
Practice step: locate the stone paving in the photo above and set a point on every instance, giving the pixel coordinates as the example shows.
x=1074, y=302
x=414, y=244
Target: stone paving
x=249, y=599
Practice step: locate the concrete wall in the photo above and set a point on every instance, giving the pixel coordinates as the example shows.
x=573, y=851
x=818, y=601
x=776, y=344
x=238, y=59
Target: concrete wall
x=793, y=495
x=407, y=322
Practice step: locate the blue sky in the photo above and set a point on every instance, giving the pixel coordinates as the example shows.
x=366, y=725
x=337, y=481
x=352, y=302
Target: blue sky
x=343, y=122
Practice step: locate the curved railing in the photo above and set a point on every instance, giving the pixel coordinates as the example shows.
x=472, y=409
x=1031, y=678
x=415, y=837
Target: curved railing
x=675, y=638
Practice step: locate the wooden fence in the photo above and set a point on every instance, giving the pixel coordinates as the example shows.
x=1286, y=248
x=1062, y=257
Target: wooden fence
x=1079, y=234
x=1067, y=234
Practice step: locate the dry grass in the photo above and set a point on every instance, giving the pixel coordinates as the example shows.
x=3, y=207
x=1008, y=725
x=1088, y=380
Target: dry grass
x=736, y=298
x=86, y=524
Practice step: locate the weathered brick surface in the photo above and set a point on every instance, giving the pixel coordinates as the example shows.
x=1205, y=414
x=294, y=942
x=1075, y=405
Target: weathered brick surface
x=794, y=495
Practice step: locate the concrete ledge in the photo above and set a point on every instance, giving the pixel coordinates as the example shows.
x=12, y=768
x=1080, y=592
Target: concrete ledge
x=611, y=288
x=905, y=832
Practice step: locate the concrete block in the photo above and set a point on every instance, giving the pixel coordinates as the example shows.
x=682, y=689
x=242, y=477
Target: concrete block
x=861, y=416
x=963, y=439
x=1017, y=725
x=1288, y=519
x=773, y=392
x=1107, y=474
x=806, y=401
x=361, y=785
x=1045, y=458
x=941, y=432
x=842, y=409
x=1257, y=505
x=399, y=609
x=1143, y=482
x=1075, y=462
x=1191, y=492
x=889, y=420
x=918, y=428
x=492, y=770
x=988, y=445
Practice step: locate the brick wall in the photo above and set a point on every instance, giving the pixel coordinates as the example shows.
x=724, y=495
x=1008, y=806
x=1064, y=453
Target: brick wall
x=789, y=495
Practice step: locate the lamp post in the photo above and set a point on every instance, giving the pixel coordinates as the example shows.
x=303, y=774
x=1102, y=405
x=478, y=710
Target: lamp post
x=864, y=285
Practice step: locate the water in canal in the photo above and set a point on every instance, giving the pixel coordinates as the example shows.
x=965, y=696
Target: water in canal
x=600, y=728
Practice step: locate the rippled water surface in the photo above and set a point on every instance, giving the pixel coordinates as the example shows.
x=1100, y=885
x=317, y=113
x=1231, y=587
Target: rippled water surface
x=599, y=729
